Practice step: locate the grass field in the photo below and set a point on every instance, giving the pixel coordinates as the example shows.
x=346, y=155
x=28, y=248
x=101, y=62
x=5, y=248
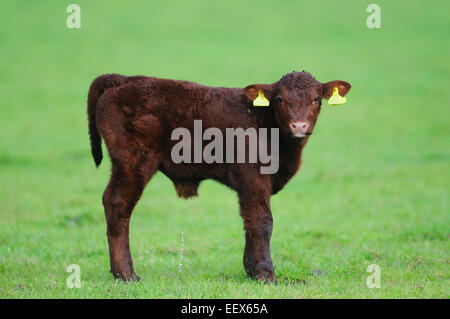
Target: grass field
x=374, y=186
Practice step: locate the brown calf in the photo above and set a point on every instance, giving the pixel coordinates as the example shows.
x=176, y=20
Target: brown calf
x=136, y=116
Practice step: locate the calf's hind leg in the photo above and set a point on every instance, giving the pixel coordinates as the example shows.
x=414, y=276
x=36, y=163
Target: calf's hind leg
x=128, y=180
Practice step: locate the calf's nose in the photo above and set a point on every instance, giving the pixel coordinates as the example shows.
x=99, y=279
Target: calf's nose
x=299, y=128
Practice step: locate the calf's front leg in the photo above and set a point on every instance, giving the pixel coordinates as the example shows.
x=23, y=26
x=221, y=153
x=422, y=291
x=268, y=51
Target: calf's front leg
x=255, y=211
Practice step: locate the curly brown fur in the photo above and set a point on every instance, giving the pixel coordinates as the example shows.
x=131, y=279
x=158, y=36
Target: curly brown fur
x=136, y=115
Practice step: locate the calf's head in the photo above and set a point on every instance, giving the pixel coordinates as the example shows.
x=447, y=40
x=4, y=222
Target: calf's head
x=296, y=99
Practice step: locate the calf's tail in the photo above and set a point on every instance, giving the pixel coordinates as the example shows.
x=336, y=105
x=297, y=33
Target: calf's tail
x=98, y=86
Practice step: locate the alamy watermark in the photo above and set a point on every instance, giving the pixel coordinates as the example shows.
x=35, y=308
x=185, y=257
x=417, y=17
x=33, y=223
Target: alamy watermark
x=74, y=279
x=374, y=19
x=74, y=19
x=216, y=152
x=180, y=265
x=374, y=280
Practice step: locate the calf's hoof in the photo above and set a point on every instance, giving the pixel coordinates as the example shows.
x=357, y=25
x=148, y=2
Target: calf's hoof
x=262, y=273
x=267, y=277
x=126, y=276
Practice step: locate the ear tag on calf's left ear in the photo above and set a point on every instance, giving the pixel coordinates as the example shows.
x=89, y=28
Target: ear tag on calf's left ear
x=261, y=100
x=336, y=99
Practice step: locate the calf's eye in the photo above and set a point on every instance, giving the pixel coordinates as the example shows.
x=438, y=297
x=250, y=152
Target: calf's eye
x=317, y=99
x=278, y=99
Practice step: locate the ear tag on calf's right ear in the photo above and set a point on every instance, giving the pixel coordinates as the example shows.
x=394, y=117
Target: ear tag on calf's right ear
x=336, y=99
x=261, y=100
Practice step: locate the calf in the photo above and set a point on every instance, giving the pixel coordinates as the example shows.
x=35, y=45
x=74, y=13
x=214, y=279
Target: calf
x=136, y=117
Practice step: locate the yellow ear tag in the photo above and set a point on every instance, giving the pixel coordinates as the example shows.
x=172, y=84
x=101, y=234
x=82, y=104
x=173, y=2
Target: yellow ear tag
x=336, y=99
x=261, y=100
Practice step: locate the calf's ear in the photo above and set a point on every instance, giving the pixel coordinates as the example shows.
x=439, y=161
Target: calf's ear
x=327, y=88
x=252, y=91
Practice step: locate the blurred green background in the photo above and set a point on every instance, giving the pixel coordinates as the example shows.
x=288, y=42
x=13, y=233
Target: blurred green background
x=373, y=189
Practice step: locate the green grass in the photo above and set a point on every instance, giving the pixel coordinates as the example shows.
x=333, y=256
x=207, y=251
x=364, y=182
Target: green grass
x=374, y=187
